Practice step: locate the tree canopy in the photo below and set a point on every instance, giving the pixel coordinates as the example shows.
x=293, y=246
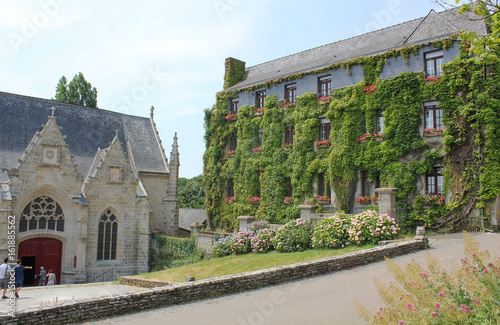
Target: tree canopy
x=79, y=91
x=484, y=47
x=191, y=193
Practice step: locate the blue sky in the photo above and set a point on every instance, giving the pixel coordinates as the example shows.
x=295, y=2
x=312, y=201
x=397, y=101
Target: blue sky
x=169, y=54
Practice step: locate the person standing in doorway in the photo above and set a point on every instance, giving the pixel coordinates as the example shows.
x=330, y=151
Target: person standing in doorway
x=19, y=274
x=4, y=277
x=43, y=277
x=52, y=278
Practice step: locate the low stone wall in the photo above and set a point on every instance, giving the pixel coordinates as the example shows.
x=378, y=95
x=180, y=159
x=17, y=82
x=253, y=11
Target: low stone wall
x=144, y=283
x=184, y=292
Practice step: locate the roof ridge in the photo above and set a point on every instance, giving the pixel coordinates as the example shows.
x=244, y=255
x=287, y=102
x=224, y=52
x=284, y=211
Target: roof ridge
x=343, y=40
x=55, y=102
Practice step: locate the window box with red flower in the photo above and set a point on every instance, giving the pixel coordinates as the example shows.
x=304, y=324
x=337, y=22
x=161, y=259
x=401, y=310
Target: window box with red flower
x=431, y=199
x=367, y=136
x=259, y=111
x=432, y=79
x=256, y=150
x=255, y=200
x=324, y=100
x=287, y=146
x=229, y=199
x=366, y=199
x=322, y=199
x=432, y=132
x=231, y=117
x=288, y=105
x=288, y=200
x=230, y=153
x=369, y=89
x=322, y=143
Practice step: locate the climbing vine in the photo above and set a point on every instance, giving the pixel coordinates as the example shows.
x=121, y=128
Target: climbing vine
x=469, y=152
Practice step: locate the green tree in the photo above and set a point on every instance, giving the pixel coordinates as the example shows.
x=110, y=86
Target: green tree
x=191, y=193
x=79, y=91
x=484, y=47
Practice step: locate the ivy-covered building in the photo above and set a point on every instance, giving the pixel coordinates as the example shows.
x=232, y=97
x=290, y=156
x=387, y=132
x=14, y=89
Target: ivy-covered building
x=404, y=107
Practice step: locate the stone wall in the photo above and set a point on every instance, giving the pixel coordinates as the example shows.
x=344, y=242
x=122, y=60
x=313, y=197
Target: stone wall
x=209, y=288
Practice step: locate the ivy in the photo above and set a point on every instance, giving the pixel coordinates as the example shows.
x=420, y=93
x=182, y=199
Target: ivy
x=470, y=151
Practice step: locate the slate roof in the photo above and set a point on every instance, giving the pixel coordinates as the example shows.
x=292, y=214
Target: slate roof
x=86, y=130
x=432, y=27
x=189, y=216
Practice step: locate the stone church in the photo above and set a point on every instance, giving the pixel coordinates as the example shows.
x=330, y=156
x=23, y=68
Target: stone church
x=87, y=188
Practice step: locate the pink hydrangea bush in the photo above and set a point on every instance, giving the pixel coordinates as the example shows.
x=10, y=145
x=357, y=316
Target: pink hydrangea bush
x=331, y=232
x=262, y=240
x=372, y=227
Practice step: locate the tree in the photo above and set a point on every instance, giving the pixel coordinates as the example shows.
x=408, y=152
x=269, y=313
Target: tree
x=484, y=47
x=79, y=91
x=191, y=193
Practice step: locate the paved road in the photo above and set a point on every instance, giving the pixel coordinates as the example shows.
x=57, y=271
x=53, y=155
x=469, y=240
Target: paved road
x=327, y=299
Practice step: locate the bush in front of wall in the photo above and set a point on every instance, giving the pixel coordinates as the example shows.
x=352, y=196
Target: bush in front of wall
x=331, y=232
x=295, y=236
x=372, y=227
x=262, y=240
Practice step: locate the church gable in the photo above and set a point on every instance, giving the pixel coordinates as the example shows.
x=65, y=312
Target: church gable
x=46, y=161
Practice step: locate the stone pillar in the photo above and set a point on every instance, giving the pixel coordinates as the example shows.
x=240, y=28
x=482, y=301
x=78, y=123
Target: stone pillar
x=246, y=222
x=307, y=212
x=387, y=201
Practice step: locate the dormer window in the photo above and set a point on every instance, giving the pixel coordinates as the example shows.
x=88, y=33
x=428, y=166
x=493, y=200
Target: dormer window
x=324, y=86
x=433, y=62
x=260, y=99
x=290, y=93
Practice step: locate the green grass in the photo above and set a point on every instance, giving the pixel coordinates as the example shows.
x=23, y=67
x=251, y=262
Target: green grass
x=242, y=263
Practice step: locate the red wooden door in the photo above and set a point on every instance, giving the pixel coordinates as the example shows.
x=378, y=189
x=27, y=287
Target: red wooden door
x=47, y=252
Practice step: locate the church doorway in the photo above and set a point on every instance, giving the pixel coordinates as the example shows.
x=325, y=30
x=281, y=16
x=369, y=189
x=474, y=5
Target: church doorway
x=38, y=252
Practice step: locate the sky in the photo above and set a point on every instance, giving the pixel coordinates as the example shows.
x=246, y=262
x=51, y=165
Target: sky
x=170, y=54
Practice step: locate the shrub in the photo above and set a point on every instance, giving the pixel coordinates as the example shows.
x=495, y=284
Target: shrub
x=331, y=232
x=370, y=227
x=262, y=241
x=238, y=244
x=469, y=294
x=174, y=252
x=295, y=236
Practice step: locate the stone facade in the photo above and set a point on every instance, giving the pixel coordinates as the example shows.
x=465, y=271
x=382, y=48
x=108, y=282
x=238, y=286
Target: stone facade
x=97, y=215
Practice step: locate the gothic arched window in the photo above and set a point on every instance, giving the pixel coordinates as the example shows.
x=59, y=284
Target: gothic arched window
x=106, y=236
x=41, y=214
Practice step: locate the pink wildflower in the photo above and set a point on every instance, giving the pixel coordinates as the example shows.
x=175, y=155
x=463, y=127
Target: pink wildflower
x=409, y=306
x=486, y=271
x=401, y=322
x=438, y=305
x=434, y=313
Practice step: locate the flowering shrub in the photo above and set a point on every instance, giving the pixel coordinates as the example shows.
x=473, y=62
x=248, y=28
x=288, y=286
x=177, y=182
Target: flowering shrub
x=433, y=199
x=469, y=294
x=369, y=89
x=295, y=236
x=431, y=131
x=368, y=136
x=371, y=227
x=238, y=244
x=254, y=199
x=230, y=152
x=231, y=116
x=262, y=241
x=322, y=199
x=323, y=143
x=431, y=79
x=229, y=199
x=256, y=149
x=331, y=232
x=287, y=200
